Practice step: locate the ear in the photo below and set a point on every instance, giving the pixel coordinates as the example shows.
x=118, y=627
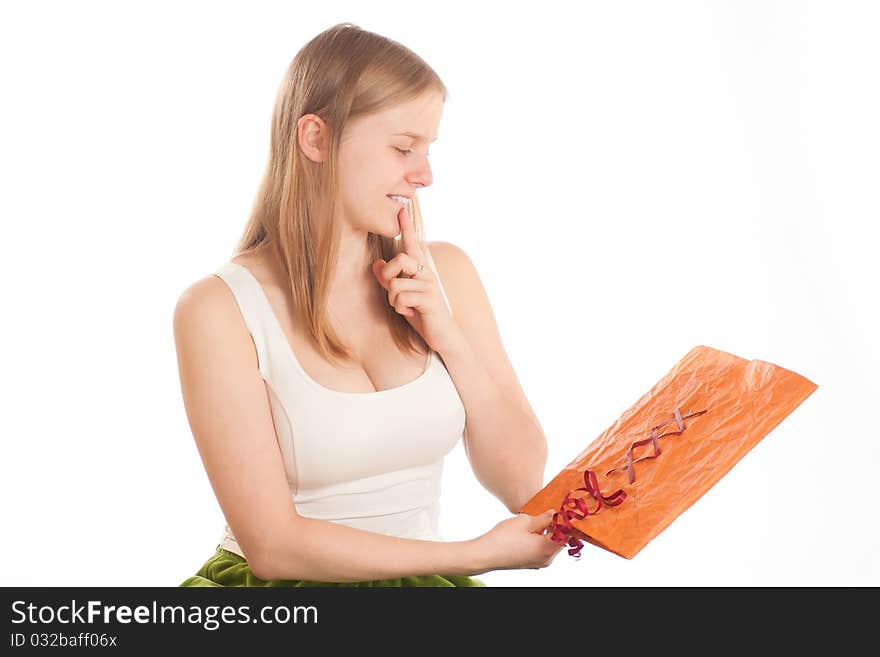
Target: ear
x=313, y=135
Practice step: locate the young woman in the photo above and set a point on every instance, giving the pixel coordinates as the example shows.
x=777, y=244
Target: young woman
x=333, y=362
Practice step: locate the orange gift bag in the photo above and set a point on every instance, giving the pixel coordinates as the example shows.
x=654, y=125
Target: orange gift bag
x=667, y=450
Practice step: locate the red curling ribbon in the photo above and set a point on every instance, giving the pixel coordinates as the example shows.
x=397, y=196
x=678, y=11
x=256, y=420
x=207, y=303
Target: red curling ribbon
x=562, y=529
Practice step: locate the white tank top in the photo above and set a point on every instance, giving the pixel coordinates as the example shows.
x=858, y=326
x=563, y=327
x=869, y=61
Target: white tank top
x=368, y=460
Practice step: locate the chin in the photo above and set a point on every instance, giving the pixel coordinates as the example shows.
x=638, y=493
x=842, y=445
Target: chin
x=390, y=234
x=389, y=228
x=392, y=231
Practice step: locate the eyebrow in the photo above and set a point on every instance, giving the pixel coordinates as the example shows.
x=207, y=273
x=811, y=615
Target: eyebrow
x=413, y=135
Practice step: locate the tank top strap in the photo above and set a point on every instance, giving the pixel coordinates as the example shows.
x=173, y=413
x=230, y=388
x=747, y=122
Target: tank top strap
x=434, y=267
x=252, y=303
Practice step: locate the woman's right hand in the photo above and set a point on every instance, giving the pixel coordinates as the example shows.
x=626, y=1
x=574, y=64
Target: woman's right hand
x=517, y=542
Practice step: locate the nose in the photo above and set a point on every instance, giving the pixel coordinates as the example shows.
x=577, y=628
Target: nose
x=421, y=175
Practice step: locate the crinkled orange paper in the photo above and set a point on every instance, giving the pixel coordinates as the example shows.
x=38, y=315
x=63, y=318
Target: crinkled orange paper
x=668, y=449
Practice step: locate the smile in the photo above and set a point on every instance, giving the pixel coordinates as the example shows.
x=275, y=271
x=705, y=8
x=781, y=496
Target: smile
x=402, y=200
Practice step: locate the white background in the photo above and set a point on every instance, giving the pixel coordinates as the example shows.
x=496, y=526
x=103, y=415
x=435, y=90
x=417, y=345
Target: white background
x=630, y=179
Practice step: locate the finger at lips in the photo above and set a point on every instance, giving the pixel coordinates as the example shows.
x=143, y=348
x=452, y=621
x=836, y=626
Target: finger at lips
x=408, y=235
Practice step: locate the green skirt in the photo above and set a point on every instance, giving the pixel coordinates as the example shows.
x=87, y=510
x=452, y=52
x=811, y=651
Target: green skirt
x=227, y=568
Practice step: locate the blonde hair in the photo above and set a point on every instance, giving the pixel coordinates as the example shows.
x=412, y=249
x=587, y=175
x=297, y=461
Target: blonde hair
x=343, y=73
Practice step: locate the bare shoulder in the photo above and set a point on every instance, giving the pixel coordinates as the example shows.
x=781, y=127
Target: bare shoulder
x=448, y=253
x=210, y=296
x=458, y=275
x=204, y=293
x=453, y=263
x=207, y=301
x=207, y=318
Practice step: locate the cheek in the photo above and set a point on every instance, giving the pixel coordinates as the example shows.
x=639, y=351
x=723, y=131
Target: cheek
x=357, y=165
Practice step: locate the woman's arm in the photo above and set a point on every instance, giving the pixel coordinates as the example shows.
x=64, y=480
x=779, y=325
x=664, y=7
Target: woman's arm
x=504, y=443
x=324, y=551
x=503, y=439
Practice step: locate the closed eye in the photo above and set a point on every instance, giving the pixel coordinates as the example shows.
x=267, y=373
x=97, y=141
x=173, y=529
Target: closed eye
x=408, y=151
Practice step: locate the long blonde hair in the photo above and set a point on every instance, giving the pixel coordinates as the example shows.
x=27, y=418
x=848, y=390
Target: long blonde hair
x=343, y=73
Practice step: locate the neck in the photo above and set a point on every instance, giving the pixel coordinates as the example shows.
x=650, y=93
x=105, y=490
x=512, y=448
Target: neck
x=353, y=273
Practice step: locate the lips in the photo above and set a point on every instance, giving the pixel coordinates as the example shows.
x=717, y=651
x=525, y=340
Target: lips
x=399, y=203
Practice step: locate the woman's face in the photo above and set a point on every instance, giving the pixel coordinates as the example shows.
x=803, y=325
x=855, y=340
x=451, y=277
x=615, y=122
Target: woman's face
x=376, y=160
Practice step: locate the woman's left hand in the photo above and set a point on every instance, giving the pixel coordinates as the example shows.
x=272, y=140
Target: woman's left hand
x=416, y=295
